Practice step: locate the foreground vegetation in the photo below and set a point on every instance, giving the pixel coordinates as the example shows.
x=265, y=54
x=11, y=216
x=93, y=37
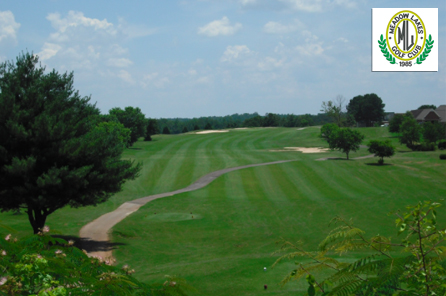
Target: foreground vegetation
x=221, y=237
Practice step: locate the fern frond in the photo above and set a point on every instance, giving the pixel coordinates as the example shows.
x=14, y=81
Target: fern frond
x=342, y=234
x=345, y=289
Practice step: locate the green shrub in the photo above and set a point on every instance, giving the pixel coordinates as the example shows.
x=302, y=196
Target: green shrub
x=423, y=147
x=43, y=265
x=442, y=145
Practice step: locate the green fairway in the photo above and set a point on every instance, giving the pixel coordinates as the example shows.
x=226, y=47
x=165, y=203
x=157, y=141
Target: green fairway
x=221, y=237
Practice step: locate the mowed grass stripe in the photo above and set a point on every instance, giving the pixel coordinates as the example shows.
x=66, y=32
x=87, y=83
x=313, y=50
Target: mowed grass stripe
x=152, y=165
x=271, y=187
x=164, y=169
x=202, y=166
x=171, y=168
x=260, y=198
x=184, y=177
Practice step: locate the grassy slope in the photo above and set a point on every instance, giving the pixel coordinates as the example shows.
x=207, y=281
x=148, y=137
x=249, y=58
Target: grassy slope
x=237, y=219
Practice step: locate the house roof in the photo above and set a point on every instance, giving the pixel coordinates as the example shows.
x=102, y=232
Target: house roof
x=426, y=115
x=417, y=112
x=441, y=111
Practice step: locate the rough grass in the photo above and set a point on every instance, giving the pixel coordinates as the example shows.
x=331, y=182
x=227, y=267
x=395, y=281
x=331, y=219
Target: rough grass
x=221, y=237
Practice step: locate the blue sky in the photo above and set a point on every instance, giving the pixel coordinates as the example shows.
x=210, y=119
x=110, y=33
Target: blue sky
x=210, y=57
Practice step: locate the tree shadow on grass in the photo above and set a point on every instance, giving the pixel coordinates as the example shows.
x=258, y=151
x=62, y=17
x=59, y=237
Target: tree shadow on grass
x=90, y=245
x=332, y=158
x=377, y=164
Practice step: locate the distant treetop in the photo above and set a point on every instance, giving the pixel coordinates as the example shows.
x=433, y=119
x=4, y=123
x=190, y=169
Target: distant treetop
x=427, y=107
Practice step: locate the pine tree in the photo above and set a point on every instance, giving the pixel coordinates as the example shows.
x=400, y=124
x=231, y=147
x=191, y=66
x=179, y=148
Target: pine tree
x=56, y=149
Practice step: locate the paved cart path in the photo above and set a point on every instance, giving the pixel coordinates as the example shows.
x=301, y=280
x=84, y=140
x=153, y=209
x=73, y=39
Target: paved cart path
x=94, y=235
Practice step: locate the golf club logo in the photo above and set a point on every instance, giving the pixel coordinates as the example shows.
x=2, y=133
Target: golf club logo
x=406, y=40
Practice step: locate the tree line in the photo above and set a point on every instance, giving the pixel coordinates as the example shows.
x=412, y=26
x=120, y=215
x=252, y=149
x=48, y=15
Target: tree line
x=182, y=125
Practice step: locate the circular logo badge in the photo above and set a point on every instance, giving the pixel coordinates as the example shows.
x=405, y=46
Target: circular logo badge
x=406, y=40
x=406, y=35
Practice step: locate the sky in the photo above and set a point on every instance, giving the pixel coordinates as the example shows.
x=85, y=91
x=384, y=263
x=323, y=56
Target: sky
x=195, y=58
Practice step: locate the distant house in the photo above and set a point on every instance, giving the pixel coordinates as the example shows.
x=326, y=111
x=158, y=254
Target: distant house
x=425, y=115
x=388, y=117
x=441, y=111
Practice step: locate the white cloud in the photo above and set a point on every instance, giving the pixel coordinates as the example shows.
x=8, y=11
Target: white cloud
x=48, y=50
x=8, y=26
x=116, y=49
x=151, y=76
x=247, y=2
x=134, y=31
x=312, y=45
x=219, y=27
x=346, y=3
x=119, y=62
x=310, y=49
x=305, y=5
x=124, y=75
x=234, y=52
x=203, y=79
x=75, y=23
x=81, y=42
x=77, y=19
x=278, y=28
x=155, y=80
x=270, y=63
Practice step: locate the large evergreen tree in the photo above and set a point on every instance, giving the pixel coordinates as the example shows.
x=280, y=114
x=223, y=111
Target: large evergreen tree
x=56, y=149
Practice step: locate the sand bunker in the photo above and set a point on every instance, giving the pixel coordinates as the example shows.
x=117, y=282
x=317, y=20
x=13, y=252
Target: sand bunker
x=212, y=131
x=303, y=149
x=302, y=128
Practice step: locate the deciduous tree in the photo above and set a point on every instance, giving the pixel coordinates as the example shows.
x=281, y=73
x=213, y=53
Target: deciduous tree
x=133, y=119
x=345, y=140
x=410, y=131
x=56, y=149
x=367, y=108
x=335, y=109
x=381, y=149
x=433, y=131
x=427, y=107
x=395, y=122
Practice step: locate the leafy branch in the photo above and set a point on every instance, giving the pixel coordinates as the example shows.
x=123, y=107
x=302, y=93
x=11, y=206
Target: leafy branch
x=421, y=271
x=427, y=50
x=386, y=53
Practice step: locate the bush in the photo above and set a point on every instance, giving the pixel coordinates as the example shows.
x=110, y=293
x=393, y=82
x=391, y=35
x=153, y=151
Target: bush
x=423, y=147
x=43, y=265
x=442, y=156
x=442, y=145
